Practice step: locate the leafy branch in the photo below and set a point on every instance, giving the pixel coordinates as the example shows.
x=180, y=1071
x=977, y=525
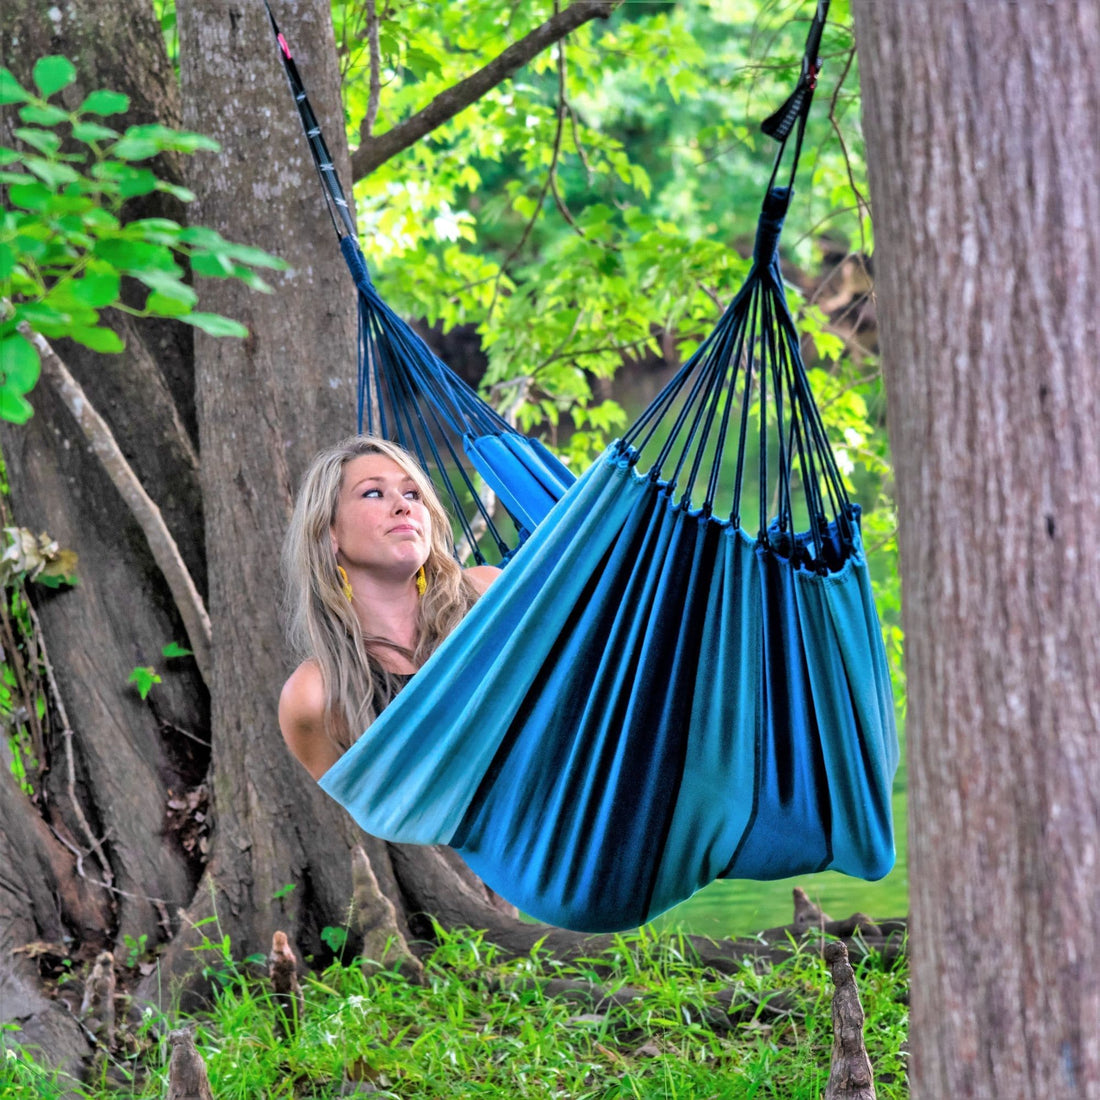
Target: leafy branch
x=64, y=246
x=375, y=150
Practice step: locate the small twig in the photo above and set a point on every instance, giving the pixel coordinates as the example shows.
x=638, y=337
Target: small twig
x=713, y=296
x=548, y=185
x=563, y=113
x=575, y=125
x=861, y=201
x=70, y=764
x=575, y=353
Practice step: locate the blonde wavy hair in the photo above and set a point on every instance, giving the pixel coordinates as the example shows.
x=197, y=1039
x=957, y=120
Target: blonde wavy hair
x=321, y=622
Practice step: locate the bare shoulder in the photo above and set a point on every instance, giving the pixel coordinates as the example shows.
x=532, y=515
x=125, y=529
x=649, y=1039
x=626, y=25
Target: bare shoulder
x=302, y=719
x=481, y=576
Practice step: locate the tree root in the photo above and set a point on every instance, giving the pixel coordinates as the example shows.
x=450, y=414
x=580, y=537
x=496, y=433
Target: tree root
x=850, y=1075
x=187, y=1079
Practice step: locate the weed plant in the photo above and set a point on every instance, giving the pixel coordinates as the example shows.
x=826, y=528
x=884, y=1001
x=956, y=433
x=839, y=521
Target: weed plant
x=484, y=1026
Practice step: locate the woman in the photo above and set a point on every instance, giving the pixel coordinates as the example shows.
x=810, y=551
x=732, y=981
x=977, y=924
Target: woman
x=373, y=589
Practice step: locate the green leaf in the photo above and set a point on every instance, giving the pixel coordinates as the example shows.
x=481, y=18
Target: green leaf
x=422, y=64
x=97, y=287
x=51, y=172
x=97, y=338
x=211, y=265
x=10, y=89
x=30, y=196
x=42, y=114
x=14, y=407
x=161, y=305
x=7, y=260
x=57, y=580
x=213, y=324
x=256, y=257
x=39, y=314
x=104, y=102
x=136, y=257
x=19, y=364
x=45, y=141
x=283, y=891
x=174, y=649
x=144, y=677
x=51, y=74
x=130, y=147
x=175, y=191
x=93, y=131
x=334, y=937
x=169, y=286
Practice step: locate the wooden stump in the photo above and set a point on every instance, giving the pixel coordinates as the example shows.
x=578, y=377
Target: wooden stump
x=850, y=1075
x=282, y=968
x=97, y=1009
x=187, y=1078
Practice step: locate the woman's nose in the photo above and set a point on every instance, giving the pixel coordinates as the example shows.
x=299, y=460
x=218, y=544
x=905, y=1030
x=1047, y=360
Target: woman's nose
x=400, y=504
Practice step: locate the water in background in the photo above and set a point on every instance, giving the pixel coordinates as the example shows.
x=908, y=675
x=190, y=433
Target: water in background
x=739, y=907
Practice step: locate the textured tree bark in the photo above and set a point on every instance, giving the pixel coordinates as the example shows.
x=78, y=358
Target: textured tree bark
x=981, y=119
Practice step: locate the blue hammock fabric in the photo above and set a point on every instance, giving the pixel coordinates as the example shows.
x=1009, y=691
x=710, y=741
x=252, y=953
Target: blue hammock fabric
x=650, y=698
x=408, y=395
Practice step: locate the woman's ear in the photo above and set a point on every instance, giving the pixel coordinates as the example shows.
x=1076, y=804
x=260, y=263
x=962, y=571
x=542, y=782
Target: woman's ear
x=332, y=541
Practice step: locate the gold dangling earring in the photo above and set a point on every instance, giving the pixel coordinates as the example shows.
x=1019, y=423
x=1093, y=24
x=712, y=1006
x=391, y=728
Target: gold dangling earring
x=345, y=584
x=421, y=581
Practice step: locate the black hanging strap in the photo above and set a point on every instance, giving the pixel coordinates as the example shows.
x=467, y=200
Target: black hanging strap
x=335, y=199
x=779, y=124
x=795, y=109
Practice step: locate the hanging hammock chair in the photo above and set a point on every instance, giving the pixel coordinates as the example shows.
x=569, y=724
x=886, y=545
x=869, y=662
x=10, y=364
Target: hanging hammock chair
x=408, y=395
x=650, y=697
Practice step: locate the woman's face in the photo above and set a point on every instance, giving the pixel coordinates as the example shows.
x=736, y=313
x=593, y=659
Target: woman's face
x=381, y=523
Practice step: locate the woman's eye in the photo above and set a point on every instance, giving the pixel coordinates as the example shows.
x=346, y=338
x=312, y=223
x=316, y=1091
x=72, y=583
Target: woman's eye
x=412, y=494
x=373, y=493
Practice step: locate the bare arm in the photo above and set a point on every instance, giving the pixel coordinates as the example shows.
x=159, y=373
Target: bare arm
x=301, y=719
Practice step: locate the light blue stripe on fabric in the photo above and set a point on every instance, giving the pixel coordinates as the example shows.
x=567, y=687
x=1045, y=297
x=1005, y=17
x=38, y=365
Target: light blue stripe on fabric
x=721, y=752
x=851, y=689
x=526, y=477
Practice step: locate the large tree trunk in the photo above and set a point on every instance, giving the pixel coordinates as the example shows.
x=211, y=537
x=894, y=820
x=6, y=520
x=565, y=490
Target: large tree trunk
x=981, y=121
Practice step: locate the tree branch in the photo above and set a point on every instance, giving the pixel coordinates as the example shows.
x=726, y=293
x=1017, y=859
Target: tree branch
x=163, y=546
x=376, y=150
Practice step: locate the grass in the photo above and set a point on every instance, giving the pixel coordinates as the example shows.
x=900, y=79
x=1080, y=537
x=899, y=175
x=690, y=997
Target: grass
x=482, y=1026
